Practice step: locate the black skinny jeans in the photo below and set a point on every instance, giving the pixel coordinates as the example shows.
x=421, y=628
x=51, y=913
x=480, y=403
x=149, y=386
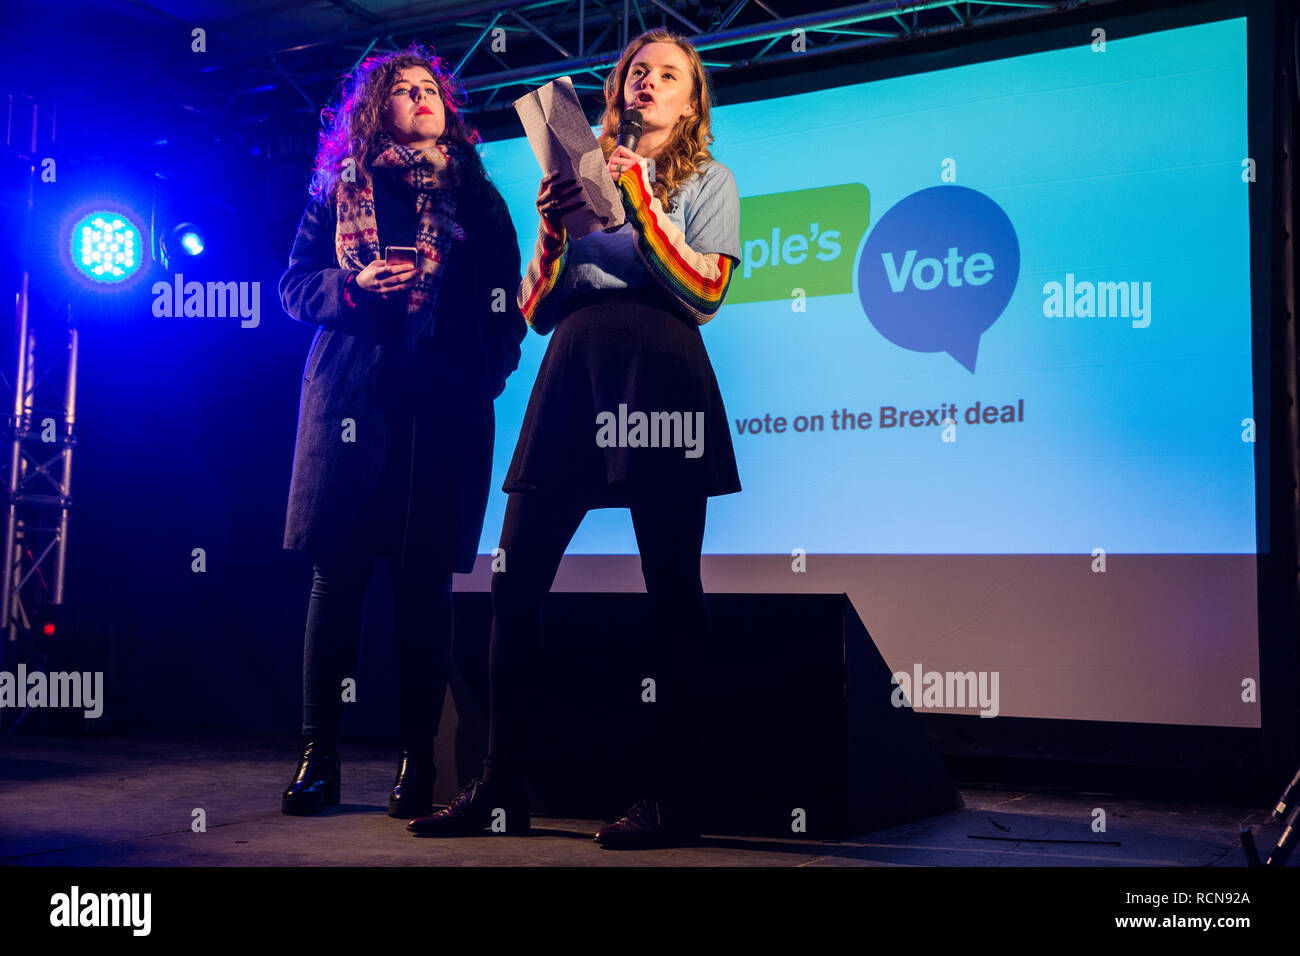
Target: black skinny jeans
x=333, y=639
x=535, y=533
x=423, y=616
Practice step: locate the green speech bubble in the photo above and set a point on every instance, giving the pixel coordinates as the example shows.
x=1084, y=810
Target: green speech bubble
x=804, y=239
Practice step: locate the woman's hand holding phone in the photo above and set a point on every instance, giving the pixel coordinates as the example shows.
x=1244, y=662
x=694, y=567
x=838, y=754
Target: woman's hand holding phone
x=387, y=281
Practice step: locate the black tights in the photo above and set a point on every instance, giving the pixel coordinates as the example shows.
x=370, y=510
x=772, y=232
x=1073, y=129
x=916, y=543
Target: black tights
x=333, y=639
x=536, y=531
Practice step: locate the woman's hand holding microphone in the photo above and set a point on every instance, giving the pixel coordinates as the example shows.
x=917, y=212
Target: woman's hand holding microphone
x=621, y=160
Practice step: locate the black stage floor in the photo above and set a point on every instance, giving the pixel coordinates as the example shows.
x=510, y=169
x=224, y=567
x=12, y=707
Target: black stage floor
x=121, y=801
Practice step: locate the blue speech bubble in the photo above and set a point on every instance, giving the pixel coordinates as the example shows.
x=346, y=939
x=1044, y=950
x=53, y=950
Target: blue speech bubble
x=938, y=269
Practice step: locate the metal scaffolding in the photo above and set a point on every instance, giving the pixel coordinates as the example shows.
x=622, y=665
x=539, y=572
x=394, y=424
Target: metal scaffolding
x=38, y=476
x=506, y=47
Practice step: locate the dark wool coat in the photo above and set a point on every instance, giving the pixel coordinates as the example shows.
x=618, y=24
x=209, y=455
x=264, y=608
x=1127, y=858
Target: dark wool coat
x=357, y=360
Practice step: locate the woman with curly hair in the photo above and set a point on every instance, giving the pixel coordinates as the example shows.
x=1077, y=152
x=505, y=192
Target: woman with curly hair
x=396, y=422
x=626, y=309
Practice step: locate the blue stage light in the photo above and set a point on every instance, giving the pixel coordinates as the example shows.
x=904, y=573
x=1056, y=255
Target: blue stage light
x=106, y=246
x=191, y=242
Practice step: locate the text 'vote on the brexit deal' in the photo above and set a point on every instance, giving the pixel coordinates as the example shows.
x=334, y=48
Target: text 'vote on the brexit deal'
x=886, y=417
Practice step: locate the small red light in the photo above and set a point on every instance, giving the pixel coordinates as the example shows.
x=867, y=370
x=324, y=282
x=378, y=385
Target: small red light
x=48, y=629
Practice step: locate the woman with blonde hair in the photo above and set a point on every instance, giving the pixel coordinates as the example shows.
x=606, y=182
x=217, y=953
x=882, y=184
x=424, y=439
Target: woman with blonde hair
x=396, y=424
x=626, y=309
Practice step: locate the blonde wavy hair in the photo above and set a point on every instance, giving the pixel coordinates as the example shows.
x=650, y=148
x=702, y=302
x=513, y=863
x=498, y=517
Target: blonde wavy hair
x=688, y=146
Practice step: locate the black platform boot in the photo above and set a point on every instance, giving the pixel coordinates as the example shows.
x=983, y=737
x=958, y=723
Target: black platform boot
x=316, y=784
x=412, y=794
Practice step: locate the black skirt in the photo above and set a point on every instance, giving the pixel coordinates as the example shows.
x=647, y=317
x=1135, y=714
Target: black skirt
x=625, y=405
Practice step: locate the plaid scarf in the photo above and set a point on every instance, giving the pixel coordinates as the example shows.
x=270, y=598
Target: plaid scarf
x=434, y=176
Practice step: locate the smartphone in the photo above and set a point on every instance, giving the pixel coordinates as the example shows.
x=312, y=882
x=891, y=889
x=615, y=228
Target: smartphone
x=396, y=255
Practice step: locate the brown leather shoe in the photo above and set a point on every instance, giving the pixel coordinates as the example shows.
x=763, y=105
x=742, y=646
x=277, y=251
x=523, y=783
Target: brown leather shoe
x=477, y=807
x=652, y=823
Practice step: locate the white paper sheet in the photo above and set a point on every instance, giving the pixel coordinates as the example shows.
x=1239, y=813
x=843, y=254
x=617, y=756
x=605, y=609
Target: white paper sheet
x=563, y=142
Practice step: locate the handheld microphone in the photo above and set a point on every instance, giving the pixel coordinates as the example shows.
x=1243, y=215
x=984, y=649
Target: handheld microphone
x=629, y=134
x=629, y=129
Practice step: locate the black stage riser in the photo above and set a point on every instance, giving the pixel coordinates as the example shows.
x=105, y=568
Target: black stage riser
x=797, y=715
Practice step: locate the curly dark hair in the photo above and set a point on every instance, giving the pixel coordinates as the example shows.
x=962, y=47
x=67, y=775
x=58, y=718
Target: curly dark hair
x=350, y=127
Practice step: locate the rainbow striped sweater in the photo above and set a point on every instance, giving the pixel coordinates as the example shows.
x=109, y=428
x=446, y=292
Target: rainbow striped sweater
x=543, y=272
x=696, y=281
